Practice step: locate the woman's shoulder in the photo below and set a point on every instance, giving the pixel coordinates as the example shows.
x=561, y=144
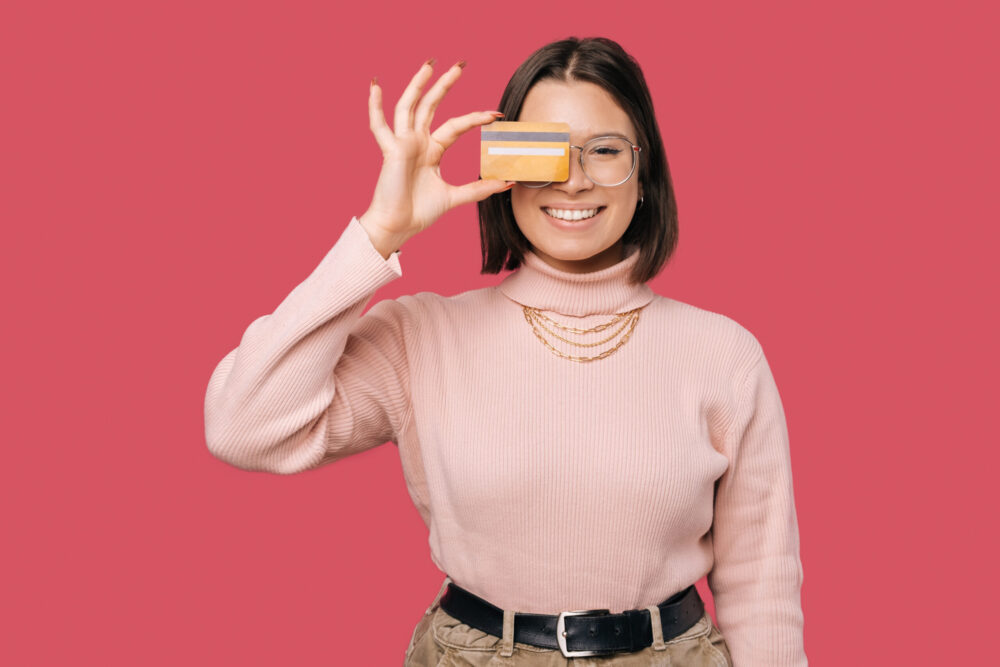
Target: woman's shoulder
x=708, y=326
x=428, y=306
x=434, y=301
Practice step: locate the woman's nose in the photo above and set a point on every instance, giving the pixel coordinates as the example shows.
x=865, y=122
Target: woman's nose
x=577, y=180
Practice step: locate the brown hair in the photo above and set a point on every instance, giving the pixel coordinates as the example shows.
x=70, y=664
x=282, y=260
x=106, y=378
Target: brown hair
x=603, y=62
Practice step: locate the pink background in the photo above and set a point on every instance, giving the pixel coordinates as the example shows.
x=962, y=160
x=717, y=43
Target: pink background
x=170, y=171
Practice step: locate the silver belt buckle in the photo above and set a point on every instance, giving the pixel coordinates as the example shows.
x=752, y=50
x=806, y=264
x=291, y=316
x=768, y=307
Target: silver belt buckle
x=561, y=631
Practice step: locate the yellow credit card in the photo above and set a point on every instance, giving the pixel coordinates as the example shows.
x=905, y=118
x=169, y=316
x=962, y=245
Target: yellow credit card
x=521, y=151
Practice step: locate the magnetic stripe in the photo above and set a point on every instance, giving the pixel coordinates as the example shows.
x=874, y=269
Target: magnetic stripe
x=525, y=136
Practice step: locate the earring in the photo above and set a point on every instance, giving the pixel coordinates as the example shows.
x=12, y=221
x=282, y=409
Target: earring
x=640, y=203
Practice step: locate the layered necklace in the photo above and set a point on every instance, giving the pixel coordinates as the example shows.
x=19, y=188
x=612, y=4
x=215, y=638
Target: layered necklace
x=625, y=322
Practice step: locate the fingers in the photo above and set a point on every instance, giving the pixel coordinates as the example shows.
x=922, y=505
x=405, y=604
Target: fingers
x=477, y=191
x=403, y=119
x=453, y=128
x=376, y=119
x=425, y=110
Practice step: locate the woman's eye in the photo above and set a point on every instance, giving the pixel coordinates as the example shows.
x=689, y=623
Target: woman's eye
x=605, y=150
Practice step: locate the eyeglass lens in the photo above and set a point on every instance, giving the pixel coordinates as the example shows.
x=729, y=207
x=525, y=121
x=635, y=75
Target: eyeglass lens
x=606, y=161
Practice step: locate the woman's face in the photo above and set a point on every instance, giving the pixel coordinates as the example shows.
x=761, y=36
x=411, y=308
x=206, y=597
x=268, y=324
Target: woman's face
x=594, y=243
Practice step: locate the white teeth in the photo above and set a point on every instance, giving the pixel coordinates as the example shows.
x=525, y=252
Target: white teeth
x=563, y=214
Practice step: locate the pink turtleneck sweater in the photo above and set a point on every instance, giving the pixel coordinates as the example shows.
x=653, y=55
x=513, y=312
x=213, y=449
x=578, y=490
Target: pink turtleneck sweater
x=546, y=484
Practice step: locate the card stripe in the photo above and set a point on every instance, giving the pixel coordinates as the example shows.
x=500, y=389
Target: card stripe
x=525, y=136
x=524, y=150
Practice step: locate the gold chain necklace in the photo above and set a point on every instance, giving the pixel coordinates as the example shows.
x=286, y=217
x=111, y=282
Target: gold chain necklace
x=535, y=318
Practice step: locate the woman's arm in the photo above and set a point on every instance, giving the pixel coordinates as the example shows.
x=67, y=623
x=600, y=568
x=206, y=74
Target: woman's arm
x=757, y=576
x=313, y=382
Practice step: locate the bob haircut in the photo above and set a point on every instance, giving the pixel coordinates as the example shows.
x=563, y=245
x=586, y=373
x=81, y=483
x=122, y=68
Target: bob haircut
x=603, y=62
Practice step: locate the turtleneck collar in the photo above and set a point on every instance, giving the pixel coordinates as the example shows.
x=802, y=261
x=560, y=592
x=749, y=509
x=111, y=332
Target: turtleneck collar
x=539, y=285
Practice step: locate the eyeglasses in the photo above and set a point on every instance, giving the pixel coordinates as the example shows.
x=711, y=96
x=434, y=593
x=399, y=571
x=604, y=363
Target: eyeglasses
x=607, y=161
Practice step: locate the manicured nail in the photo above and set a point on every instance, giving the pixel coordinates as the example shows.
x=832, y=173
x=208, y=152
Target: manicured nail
x=430, y=61
x=373, y=81
x=461, y=63
x=496, y=114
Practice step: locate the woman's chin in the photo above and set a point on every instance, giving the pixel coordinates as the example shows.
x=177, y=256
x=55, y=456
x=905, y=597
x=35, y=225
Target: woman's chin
x=579, y=256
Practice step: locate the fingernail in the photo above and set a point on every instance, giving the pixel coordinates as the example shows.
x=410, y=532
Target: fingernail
x=430, y=61
x=461, y=63
x=496, y=113
x=373, y=80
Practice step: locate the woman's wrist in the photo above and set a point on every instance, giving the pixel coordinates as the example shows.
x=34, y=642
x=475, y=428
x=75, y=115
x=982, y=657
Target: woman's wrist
x=384, y=242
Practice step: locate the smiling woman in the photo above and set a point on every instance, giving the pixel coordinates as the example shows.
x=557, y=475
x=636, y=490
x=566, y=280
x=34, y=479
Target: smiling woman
x=577, y=225
x=573, y=497
x=600, y=91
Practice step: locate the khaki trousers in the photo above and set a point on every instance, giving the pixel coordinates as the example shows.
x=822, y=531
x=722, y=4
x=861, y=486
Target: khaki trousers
x=440, y=640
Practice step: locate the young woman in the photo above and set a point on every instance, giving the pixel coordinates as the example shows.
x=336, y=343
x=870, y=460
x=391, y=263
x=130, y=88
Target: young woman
x=582, y=449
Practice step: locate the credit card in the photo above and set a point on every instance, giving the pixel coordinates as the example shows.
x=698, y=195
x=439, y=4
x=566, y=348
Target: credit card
x=522, y=151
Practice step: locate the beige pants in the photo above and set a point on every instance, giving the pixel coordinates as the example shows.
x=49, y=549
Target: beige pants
x=440, y=640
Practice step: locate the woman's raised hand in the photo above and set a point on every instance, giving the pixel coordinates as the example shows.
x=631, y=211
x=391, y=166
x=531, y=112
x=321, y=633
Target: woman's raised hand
x=410, y=194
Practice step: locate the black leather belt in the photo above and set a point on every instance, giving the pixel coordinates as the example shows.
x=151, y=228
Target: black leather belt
x=579, y=633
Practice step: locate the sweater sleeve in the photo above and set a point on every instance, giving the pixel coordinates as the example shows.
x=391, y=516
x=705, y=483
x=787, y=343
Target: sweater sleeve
x=757, y=576
x=315, y=381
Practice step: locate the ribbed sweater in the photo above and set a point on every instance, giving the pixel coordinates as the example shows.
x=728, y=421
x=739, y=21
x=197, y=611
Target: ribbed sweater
x=546, y=484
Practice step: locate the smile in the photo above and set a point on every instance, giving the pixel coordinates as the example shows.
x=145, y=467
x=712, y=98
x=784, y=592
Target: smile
x=572, y=215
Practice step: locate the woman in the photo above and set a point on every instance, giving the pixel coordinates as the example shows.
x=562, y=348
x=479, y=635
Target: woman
x=573, y=441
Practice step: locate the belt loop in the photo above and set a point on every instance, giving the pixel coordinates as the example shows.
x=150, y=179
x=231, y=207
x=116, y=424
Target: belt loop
x=437, y=598
x=654, y=619
x=507, y=642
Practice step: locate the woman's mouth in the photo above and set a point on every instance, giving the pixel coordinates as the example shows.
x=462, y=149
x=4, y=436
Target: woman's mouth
x=572, y=215
x=572, y=218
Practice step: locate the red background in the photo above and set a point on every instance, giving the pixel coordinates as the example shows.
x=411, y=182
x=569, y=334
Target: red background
x=170, y=171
